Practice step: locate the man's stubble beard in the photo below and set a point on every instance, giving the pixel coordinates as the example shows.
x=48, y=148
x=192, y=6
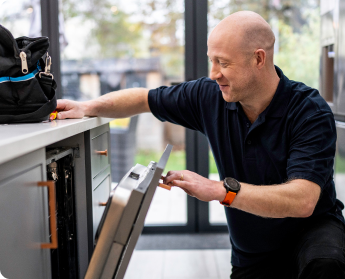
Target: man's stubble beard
x=242, y=94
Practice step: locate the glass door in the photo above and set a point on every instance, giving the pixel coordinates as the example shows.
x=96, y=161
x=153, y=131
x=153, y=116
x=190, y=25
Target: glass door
x=20, y=17
x=115, y=44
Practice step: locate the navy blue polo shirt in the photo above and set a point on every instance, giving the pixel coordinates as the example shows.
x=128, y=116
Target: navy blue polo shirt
x=294, y=137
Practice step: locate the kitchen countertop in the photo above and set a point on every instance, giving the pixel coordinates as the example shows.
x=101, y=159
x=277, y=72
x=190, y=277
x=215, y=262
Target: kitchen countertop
x=19, y=139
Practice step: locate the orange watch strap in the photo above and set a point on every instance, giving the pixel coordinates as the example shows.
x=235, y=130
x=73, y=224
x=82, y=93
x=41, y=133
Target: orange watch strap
x=229, y=198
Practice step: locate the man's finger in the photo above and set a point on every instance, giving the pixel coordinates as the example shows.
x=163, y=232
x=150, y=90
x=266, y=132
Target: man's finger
x=183, y=185
x=61, y=105
x=62, y=115
x=172, y=176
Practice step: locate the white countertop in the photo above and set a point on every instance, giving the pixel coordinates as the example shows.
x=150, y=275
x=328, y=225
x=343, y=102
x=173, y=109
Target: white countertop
x=19, y=139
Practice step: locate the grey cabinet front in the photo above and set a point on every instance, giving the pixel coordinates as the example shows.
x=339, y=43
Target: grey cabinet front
x=24, y=218
x=99, y=145
x=98, y=177
x=100, y=196
x=100, y=168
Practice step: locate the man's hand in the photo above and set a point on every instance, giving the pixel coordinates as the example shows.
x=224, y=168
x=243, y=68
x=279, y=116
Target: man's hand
x=119, y=104
x=70, y=109
x=196, y=185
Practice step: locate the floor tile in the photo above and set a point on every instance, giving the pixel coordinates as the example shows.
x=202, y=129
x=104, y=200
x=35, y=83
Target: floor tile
x=145, y=265
x=189, y=264
x=179, y=264
x=222, y=258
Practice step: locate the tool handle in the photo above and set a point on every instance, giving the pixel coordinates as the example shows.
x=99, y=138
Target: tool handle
x=167, y=187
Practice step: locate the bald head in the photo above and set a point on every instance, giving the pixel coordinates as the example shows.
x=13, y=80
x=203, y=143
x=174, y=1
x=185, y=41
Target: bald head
x=246, y=31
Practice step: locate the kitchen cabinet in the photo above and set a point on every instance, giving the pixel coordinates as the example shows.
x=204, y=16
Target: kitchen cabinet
x=24, y=218
x=24, y=206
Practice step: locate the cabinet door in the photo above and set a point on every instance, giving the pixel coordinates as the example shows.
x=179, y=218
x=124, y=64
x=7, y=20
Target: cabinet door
x=98, y=177
x=24, y=218
x=100, y=195
x=99, y=145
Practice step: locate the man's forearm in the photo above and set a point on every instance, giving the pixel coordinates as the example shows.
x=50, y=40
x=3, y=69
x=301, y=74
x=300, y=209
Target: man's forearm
x=296, y=198
x=118, y=104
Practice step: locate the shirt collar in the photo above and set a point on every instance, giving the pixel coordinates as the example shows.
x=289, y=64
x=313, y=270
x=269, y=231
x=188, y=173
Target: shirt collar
x=231, y=106
x=280, y=99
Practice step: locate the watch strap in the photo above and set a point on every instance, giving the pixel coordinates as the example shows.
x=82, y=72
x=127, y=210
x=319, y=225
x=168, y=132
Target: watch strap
x=230, y=196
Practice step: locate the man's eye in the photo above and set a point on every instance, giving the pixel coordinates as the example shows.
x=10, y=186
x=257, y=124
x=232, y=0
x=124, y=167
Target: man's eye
x=222, y=64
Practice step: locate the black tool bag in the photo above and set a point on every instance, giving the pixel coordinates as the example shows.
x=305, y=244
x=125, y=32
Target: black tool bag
x=27, y=88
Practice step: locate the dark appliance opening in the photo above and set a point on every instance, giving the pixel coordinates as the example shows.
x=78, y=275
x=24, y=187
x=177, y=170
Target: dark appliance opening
x=64, y=259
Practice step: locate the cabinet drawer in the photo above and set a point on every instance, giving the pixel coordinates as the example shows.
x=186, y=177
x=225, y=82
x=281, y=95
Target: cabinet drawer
x=98, y=161
x=100, y=177
x=99, y=195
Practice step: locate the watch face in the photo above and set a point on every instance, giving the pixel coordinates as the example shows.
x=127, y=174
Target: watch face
x=233, y=184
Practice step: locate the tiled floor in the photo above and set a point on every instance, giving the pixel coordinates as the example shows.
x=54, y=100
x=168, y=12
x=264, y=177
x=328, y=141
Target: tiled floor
x=179, y=264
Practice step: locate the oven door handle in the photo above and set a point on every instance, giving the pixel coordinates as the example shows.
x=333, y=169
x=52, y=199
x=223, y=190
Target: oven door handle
x=52, y=212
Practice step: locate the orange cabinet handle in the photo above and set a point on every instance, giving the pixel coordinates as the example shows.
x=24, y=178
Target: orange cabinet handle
x=52, y=209
x=105, y=152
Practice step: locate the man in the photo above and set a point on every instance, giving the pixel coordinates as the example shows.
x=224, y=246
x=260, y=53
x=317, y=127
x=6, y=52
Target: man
x=273, y=141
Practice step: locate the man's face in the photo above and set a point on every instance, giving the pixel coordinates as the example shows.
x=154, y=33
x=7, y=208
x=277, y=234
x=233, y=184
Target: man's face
x=232, y=68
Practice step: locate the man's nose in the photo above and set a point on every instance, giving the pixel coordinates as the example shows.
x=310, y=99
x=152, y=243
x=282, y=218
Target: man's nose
x=214, y=72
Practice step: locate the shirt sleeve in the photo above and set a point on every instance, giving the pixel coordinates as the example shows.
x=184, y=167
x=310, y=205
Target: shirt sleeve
x=181, y=104
x=312, y=149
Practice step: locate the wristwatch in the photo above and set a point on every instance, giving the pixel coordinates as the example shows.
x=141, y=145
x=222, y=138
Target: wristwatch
x=232, y=187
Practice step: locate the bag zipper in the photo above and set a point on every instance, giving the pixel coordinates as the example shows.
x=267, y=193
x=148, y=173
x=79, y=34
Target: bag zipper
x=23, y=50
x=25, y=68
x=22, y=54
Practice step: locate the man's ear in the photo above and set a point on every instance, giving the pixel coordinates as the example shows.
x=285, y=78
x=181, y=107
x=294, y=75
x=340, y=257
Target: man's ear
x=260, y=58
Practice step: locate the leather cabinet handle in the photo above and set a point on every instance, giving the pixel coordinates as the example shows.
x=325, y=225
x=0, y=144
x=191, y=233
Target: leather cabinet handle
x=52, y=209
x=167, y=187
x=105, y=152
